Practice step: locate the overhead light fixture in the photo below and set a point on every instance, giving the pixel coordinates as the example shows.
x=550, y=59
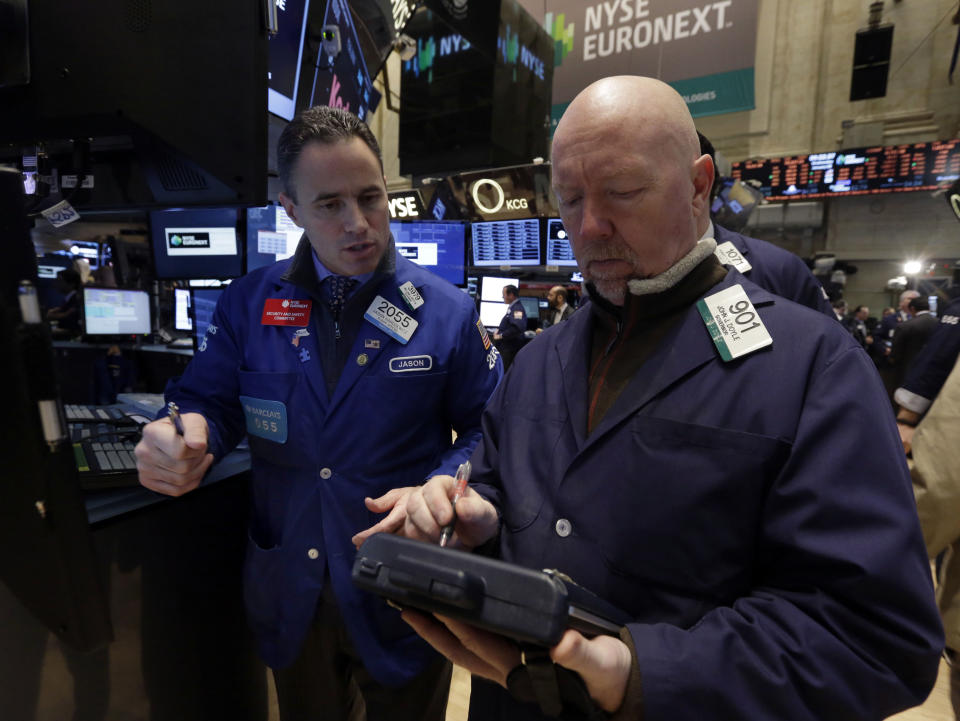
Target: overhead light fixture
x=911, y=267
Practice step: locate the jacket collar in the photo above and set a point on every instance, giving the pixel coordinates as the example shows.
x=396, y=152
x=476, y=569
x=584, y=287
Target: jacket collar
x=685, y=348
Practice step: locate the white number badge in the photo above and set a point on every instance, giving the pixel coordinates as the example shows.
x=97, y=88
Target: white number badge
x=734, y=325
x=393, y=321
x=728, y=254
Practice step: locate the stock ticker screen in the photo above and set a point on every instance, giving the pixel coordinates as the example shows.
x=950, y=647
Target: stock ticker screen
x=860, y=171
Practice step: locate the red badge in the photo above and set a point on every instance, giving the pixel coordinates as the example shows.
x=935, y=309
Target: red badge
x=286, y=311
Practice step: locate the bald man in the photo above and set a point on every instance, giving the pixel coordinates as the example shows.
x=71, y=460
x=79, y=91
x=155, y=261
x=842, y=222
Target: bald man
x=560, y=310
x=686, y=449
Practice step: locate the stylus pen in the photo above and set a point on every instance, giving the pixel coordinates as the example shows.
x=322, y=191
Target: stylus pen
x=174, y=413
x=463, y=477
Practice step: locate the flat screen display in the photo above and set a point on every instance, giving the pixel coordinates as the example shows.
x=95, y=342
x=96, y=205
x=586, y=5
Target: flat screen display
x=506, y=242
x=271, y=236
x=114, y=311
x=285, y=56
x=491, y=287
x=182, y=317
x=204, y=303
x=195, y=243
x=438, y=246
x=492, y=313
x=860, y=171
x=559, y=250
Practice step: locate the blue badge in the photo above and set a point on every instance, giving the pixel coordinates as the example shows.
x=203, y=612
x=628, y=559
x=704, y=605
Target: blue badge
x=265, y=419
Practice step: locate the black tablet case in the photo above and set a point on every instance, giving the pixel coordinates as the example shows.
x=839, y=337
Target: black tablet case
x=533, y=607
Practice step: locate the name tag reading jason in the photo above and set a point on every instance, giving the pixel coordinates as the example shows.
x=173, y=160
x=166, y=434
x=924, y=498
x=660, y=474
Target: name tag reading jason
x=733, y=323
x=393, y=321
x=728, y=254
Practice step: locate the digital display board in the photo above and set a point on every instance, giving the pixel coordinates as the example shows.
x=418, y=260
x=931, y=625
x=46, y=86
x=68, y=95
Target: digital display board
x=285, y=56
x=559, y=250
x=861, y=171
x=506, y=242
x=271, y=236
x=437, y=246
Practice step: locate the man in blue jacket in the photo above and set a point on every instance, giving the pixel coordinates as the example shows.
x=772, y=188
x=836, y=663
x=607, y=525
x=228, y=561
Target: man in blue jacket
x=767, y=265
x=348, y=367
x=513, y=325
x=688, y=450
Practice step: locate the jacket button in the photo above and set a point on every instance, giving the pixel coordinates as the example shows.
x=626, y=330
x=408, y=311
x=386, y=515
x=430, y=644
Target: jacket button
x=325, y=473
x=313, y=554
x=563, y=527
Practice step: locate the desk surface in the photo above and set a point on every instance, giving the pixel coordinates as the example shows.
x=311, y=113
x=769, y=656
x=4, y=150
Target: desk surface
x=104, y=505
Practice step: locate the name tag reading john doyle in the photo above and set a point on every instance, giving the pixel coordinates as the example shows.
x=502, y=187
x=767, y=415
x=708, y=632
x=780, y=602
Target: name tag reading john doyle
x=286, y=311
x=733, y=322
x=391, y=320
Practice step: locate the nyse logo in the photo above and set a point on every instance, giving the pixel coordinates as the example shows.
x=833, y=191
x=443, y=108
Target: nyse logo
x=499, y=201
x=403, y=207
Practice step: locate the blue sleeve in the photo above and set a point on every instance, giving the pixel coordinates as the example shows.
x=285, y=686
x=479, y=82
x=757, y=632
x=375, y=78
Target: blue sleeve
x=934, y=363
x=474, y=375
x=210, y=384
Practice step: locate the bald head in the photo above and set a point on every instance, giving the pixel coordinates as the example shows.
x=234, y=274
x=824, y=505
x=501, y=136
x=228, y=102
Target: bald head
x=630, y=179
x=632, y=104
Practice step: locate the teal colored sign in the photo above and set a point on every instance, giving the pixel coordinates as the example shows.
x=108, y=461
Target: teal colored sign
x=265, y=419
x=728, y=92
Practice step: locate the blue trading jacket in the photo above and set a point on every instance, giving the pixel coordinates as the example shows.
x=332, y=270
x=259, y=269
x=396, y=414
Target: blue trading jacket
x=315, y=458
x=772, y=569
x=777, y=270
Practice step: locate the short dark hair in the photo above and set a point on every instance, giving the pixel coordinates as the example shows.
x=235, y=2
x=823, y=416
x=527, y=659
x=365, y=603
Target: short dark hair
x=512, y=290
x=321, y=124
x=859, y=308
x=562, y=292
x=919, y=303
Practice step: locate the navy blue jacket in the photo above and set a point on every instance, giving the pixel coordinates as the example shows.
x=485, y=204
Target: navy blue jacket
x=778, y=270
x=514, y=321
x=772, y=571
x=934, y=363
x=317, y=455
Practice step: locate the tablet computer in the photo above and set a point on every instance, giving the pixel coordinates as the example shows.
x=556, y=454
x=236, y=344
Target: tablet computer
x=530, y=606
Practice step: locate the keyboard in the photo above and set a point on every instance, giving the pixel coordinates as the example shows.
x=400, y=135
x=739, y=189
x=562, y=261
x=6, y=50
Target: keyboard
x=104, y=457
x=94, y=414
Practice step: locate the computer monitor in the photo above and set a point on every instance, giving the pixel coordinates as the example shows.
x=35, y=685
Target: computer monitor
x=285, y=55
x=271, y=236
x=115, y=311
x=506, y=242
x=182, y=317
x=491, y=287
x=559, y=250
x=492, y=313
x=195, y=243
x=531, y=306
x=438, y=246
x=204, y=303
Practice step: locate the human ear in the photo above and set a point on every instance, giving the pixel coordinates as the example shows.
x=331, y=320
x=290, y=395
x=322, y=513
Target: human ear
x=290, y=206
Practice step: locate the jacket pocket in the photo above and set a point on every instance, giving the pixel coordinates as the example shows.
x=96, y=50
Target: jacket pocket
x=270, y=414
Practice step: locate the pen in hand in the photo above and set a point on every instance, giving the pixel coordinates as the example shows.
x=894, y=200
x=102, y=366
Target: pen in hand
x=463, y=477
x=174, y=413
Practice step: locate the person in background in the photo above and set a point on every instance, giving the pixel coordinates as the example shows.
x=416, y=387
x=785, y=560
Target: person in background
x=767, y=265
x=510, y=335
x=560, y=310
x=69, y=314
x=349, y=369
x=910, y=337
x=856, y=323
x=683, y=449
x=839, y=309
